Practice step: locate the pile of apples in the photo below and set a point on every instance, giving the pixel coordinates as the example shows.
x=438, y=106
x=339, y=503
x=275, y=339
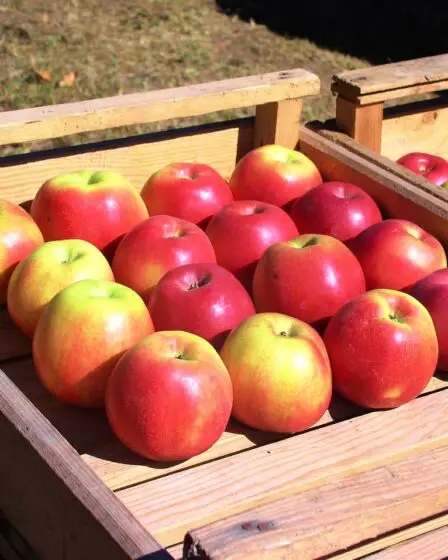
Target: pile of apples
x=200, y=298
x=434, y=168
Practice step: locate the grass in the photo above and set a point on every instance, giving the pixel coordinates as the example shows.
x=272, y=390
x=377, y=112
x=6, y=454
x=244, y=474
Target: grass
x=116, y=47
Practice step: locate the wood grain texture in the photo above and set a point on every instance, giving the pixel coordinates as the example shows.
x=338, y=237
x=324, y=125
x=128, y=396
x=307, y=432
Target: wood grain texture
x=431, y=546
x=329, y=519
x=262, y=475
x=363, y=124
x=176, y=551
x=55, y=121
x=278, y=123
x=53, y=499
x=396, y=79
x=416, y=132
x=136, y=158
x=396, y=196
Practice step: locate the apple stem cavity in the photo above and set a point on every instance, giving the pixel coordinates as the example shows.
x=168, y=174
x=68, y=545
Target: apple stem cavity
x=72, y=257
x=396, y=318
x=200, y=283
x=311, y=242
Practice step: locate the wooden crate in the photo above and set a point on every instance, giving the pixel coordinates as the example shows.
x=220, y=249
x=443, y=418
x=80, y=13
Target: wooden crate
x=380, y=133
x=356, y=484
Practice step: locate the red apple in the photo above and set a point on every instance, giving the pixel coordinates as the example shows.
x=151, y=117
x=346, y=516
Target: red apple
x=396, y=253
x=19, y=236
x=309, y=278
x=170, y=397
x=190, y=191
x=383, y=349
x=432, y=292
x=45, y=272
x=155, y=246
x=274, y=174
x=203, y=299
x=81, y=335
x=96, y=206
x=280, y=373
x=341, y=210
x=242, y=231
x=434, y=168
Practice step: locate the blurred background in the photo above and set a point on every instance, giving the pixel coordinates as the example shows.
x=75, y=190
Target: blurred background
x=56, y=52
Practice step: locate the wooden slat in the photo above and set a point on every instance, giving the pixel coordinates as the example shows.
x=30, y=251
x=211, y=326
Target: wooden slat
x=431, y=546
x=400, y=197
x=12, y=544
x=323, y=521
x=364, y=124
x=390, y=81
x=416, y=132
x=278, y=123
x=259, y=476
x=53, y=499
x=60, y=120
x=176, y=551
x=217, y=145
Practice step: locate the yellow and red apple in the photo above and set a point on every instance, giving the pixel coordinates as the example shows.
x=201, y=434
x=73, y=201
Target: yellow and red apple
x=45, y=272
x=274, y=174
x=383, y=349
x=169, y=397
x=96, y=206
x=19, y=236
x=280, y=373
x=81, y=335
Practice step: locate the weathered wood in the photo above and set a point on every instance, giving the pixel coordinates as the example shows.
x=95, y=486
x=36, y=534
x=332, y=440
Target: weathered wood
x=391, y=81
x=329, y=519
x=53, y=499
x=431, y=546
x=71, y=118
x=363, y=124
x=264, y=474
x=136, y=158
x=396, y=196
x=278, y=123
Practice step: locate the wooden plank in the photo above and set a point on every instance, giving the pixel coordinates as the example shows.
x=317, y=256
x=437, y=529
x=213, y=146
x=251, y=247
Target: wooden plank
x=320, y=522
x=55, y=121
x=431, y=546
x=53, y=499
x=12, y=342
x=392, y=80
x=136, y=158
x=395, y=94
x=401, y=198
x=278, y=123
x=363, y=124
x=262, y=475
x=176, y=551
x=418, y=132
x=12, y=544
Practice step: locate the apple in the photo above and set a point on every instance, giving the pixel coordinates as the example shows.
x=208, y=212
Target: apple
x=200, y=298
x=280, y=373
x=382, y=347
x=434, y=168
x=241, y=232
x=432, y=292
x=45, y=272
x=169, y=397
x=81, y=335
x=96, y=206
x=274, y=174
x=309, y=278
x=19, y=236
x=341, y=210
x=397, y=253
x=158, y=244
x=190, y=191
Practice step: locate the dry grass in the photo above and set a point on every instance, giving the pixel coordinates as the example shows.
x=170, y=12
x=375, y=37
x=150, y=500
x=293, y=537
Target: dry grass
x=116, y=47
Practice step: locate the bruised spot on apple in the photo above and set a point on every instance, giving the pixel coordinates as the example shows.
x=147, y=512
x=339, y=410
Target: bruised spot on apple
x=309, y=278
x=383, y=349
x=189, y=191
x=200, y=298
x=280, y=373
x=96, y=206
x=242, y=231
x=169, y=397
x=274, y=174
x=395, y=254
